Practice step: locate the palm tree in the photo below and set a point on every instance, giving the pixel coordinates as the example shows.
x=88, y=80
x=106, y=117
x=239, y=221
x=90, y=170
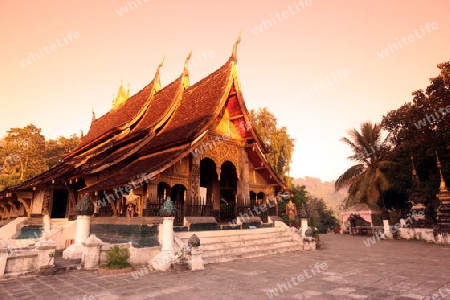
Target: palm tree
x=366, y=180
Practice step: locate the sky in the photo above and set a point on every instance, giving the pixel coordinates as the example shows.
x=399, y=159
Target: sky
x=322, y=67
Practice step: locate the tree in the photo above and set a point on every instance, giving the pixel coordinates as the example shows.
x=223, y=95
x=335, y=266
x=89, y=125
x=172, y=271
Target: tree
x=366, y=181
x=23, y=149
x=276, y=140
x=419, y=129
x=55, y=149
x=24, y=153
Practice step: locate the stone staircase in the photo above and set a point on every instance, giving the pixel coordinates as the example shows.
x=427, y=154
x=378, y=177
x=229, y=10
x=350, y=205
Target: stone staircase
x=64, y=265
x=227, y=245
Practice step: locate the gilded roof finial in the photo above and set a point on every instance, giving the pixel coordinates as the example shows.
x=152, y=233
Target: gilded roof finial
x=234, y=55
x=157, y=79
x=93, y=115
x=442, y=187
x=186, y=71
x=186, y=62
x=122, y=96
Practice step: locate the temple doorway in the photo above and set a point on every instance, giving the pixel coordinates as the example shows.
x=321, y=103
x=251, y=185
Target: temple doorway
x=59, y=205
x=208, y=181
x=228, y=191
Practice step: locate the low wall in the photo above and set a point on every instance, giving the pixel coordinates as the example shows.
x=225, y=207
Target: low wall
x=21, y=263
x=424, y=234
x=138, y=256
x=15, y=262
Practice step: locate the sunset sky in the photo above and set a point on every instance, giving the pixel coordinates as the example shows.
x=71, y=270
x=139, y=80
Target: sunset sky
x=319, y=66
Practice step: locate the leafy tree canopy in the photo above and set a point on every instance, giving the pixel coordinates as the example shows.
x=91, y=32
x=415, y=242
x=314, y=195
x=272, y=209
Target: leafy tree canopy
x=24, y=153
x=277, y=141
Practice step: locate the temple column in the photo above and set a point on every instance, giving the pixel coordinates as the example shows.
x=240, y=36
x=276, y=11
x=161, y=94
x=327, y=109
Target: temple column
x=243, y=189
x=194, y=182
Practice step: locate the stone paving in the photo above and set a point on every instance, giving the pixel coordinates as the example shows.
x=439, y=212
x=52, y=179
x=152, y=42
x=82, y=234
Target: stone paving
x=344, y=268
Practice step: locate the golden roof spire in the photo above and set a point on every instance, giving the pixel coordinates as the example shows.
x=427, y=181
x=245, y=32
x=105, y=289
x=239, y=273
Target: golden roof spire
x=122, y=96
x=186, y=70
x=186, y=62
x=157, y=79
x=234, y=55
x=93, y=115
x=442, y=187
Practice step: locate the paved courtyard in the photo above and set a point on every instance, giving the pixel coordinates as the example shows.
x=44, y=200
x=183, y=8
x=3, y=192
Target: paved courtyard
x=344, y=268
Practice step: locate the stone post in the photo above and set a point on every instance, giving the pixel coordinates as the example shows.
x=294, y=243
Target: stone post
x=75, y=251
x=3, y=256
x=44, y=248
x=387, y=229
x=167, y=244
x=91, y=252
x=304, y=225
x=196, y=262
x=163, y=260
x=83, y=228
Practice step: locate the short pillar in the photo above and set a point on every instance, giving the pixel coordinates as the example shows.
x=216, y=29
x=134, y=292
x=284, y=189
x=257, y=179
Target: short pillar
x=167, y=241
x=75, y=251
x=44, y=248
x=91, y=252
x=387, y=229
x=4, y=253
x=83, y=228
x=196, y=262
x=163, y=260
x=47, y=225
x=304, y=225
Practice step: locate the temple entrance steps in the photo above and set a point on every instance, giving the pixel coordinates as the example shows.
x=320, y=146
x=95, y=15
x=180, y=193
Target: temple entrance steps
x=59, y=222
x=227, y=245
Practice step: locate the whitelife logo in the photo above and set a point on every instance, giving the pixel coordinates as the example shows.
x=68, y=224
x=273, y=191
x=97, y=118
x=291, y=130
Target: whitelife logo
x=130, y=6
x=265, y=24
x=391, y=48
x=430, y=119
x=46, y=50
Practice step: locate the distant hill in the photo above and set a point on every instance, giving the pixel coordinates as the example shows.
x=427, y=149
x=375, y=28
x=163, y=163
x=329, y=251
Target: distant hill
x=324, y=190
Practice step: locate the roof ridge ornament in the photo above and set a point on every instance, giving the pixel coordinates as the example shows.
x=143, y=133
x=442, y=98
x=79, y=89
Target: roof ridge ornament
x=186, y=62
x=234, y=55
x=186, y=71
x=157, y=78
x=93, y=115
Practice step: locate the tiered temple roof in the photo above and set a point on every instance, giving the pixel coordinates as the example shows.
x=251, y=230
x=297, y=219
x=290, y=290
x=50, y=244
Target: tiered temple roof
x=155, y=128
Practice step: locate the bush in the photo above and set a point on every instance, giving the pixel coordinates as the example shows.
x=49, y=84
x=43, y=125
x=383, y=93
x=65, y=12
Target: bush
x=117, y=258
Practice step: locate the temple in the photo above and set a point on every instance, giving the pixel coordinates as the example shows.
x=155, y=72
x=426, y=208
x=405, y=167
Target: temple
x=193, y=143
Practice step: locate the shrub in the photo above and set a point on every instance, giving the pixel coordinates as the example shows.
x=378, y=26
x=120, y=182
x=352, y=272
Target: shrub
x=117, y=258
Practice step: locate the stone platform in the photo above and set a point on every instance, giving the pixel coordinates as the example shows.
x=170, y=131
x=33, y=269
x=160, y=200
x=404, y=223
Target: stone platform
x=402, y=270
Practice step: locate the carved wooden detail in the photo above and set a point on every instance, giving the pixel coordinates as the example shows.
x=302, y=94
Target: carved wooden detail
x=25, y=205
x=195, y=180
x=182, y=167
x=13, y=208
x=46, y=202
x=221, y=153
x=172, y=180
x=6, y=213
